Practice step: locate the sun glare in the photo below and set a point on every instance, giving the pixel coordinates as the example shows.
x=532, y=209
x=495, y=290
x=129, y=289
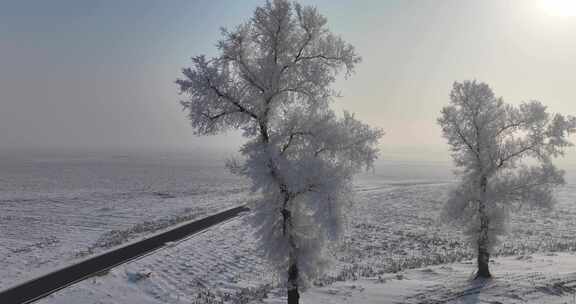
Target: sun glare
x=564, y=8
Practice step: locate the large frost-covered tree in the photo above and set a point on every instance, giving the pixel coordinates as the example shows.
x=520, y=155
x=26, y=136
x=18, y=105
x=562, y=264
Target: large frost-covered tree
x=271, y=79
x=504, y=153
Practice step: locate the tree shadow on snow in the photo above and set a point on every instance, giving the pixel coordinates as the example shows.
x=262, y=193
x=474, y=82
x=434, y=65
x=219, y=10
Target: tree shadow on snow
x=471, y=293
x=462, y=292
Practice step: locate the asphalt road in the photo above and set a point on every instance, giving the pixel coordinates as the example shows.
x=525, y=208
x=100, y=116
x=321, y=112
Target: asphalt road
x=43, y=286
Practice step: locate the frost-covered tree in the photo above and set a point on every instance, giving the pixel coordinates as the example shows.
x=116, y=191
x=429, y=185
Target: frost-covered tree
x=504, y=155
x=271, y=79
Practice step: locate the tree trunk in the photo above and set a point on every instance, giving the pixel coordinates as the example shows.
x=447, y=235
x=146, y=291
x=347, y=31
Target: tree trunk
x=293, y=294
x=483, y=252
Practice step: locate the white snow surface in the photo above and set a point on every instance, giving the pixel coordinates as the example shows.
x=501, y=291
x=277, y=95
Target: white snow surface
x=396, y=250
x=54, y=211
x=537, y=278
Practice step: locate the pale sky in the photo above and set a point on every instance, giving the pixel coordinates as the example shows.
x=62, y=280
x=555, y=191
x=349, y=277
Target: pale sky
x=99, y=75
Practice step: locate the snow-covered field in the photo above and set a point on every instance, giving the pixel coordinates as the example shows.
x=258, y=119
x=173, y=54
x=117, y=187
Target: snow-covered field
x=538, y=278
x=394, y=236
x=56, y=210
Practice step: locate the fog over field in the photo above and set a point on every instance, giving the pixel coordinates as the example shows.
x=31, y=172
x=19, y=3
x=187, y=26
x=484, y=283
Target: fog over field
x=99, y=76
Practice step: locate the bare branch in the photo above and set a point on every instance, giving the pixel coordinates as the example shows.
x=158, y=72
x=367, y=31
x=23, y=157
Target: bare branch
x=291, y=138
x=230, y=99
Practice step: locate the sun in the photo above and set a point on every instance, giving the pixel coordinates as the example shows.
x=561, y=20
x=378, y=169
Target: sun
x=563, y=8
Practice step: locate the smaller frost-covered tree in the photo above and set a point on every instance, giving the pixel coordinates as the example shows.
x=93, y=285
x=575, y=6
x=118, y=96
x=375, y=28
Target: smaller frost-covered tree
x=504, y=155
x=271, y=79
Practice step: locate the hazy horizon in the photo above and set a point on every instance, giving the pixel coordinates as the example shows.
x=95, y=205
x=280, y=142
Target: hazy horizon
x=100, y=76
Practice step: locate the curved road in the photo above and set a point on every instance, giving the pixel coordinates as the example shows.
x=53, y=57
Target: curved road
x=43, y=286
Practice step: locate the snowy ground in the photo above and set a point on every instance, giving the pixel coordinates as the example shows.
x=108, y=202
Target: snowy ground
x=218, y=259
x=537, y=278
x=52, y=213
x=394, y=229
x=55, y=211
